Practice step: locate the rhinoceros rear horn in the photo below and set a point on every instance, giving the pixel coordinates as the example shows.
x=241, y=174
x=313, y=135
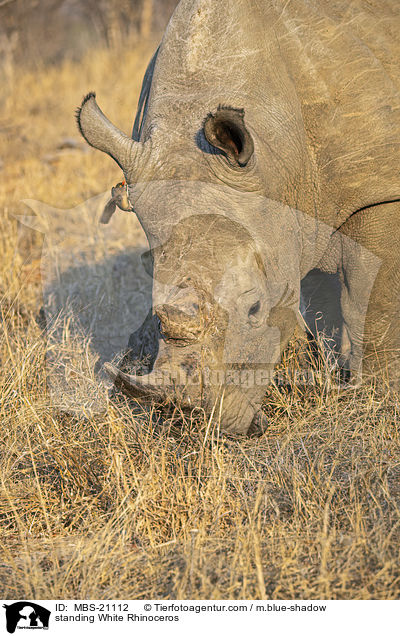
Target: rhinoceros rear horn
x=227, y=131
x=100, y=133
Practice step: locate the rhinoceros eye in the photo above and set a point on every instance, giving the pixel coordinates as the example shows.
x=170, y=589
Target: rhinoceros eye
x=254, y=314
x=254, y=309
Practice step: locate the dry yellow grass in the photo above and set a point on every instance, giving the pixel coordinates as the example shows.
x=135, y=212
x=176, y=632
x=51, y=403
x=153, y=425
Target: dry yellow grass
x=114, y=502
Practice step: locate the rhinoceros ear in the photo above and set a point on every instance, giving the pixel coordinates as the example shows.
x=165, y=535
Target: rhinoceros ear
x=226, y=131
x=100, y=133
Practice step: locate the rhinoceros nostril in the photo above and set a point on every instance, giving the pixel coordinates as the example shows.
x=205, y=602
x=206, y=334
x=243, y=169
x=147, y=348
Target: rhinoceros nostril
x=178, y=324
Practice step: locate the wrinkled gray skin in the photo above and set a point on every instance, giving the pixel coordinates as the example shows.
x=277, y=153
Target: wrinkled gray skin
x=265, y=153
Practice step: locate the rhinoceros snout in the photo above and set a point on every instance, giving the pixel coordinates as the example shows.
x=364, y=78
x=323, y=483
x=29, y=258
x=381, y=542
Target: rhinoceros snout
x=182, y=325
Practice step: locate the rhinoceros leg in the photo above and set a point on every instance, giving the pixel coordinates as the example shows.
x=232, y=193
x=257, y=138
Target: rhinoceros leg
x=322, y=312
x=370, y=297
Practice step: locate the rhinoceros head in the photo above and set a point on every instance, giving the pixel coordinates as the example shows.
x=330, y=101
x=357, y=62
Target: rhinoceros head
x=226, y=303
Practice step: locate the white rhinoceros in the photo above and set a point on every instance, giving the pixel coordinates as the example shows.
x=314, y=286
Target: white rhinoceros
x=264, y=153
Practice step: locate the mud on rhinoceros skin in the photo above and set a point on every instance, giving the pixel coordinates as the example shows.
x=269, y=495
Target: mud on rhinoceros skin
x=290, y=129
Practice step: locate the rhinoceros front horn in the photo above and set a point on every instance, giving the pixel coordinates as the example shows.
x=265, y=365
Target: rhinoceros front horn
x=137, y=386
x=100, y=133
